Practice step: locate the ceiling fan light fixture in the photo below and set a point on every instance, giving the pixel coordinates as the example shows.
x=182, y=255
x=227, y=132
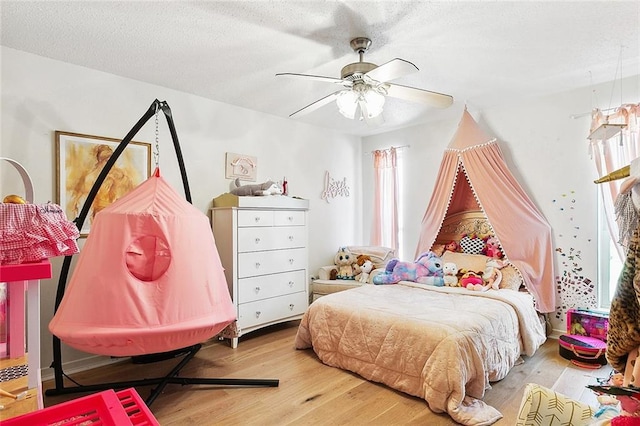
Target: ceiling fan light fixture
x=375, y=102
x=347, y=102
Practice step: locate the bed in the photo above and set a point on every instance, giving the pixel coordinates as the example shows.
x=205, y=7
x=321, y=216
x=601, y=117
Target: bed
x=442, y=344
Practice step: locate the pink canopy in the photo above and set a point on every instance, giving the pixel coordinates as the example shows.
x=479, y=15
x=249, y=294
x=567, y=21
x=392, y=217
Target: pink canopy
x=523, y=232
x=148, y=279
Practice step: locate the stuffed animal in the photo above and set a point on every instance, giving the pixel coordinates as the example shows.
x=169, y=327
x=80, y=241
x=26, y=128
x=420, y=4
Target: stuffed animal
x=450, y=271
x=492, y=275
x=266, y=188
x=452, y=246
x=365, y=270
x=427, y=269
x=473, y=281
x=360, y=268
x=492, y=248
x=345, y=261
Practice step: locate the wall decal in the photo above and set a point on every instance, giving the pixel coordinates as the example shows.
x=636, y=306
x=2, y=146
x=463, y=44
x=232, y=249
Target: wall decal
x=574, y=289
x=334, y=188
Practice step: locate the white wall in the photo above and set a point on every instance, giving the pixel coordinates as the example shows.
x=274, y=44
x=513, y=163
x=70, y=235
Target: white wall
x=40, y=96
x=546, y=151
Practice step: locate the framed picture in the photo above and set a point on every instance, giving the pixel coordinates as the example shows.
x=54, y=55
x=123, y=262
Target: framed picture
x=79, y=160
x=243, y=167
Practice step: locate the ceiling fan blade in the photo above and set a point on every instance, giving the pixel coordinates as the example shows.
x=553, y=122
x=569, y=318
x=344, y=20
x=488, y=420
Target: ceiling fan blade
x=435, y=99
x=317, y=104
x=391, y=70
x=312, y=77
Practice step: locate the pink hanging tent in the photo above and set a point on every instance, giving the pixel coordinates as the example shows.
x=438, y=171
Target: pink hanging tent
x=473, y=175
x=148, y=280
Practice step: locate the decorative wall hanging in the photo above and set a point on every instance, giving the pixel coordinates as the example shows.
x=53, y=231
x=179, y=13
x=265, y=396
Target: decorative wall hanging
x=80, y=158
x=334, y=188
x=243, y=167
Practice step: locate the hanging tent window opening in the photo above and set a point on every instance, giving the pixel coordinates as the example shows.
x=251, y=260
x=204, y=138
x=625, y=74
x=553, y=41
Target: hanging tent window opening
x=473, y=170
x=148, y=283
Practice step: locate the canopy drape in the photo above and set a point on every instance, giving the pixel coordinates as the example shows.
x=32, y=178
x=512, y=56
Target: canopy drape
x=523, y=232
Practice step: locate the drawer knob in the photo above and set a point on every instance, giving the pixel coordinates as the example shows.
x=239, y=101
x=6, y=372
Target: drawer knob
x=257, y=218
x=291, y=306
x=291, y=261
x=290, y=237
x=258, y=314
x=290, y=218
x=257, y=240
x=291, y=283
x=257, y=290
x=257, y=265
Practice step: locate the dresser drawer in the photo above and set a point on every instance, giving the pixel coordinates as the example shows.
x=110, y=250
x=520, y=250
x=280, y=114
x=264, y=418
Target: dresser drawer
x=284, y=237
x=265, y=286
x=273, y=309
x=255, y=218
x=271, y=262
x=288, y=218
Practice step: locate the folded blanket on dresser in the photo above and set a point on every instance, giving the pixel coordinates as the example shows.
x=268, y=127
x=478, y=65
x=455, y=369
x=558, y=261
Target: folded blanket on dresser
x=441, y=344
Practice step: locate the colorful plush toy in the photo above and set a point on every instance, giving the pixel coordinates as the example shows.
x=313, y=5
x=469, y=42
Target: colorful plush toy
x=492, y=248
x=450, y=271
x=473, y=281
x=452, y=246
x=427, y=269
x=345, y=261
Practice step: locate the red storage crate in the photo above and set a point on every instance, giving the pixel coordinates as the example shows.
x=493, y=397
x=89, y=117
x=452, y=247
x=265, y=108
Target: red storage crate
x=107, y=408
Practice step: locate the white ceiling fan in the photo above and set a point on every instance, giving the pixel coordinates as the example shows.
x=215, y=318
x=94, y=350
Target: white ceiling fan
x=367, y=85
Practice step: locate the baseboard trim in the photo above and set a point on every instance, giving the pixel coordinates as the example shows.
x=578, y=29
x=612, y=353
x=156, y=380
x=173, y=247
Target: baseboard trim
x=555, y=334
x=80, y=365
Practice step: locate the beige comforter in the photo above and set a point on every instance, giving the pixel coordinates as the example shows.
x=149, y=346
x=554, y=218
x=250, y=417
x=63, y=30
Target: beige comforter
x=442, y=344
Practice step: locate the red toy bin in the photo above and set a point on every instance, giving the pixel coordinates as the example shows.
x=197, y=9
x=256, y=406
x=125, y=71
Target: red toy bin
x=106, y=408
x=588, y=322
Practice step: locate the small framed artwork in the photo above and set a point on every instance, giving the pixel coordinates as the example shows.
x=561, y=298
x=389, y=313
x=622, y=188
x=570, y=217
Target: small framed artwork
x=243, y=167
x=80, y=159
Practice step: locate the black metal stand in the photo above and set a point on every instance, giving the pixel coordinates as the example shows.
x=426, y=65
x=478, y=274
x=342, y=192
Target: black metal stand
x=190, y=352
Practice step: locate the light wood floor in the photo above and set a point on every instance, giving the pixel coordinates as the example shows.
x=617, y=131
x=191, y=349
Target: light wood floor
x=311, y=393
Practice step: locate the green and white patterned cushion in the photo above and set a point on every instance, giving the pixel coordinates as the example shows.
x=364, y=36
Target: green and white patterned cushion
x=541, y=407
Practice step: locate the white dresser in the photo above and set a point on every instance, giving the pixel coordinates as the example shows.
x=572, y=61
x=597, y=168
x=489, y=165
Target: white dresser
x=262, y=243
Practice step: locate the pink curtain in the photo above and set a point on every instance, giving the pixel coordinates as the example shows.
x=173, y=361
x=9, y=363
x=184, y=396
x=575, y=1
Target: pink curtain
x=385, y=208
x=523, y=232
x=610, y=154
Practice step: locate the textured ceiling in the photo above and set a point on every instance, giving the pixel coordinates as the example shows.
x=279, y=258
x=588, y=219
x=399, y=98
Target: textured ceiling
x=482, y=53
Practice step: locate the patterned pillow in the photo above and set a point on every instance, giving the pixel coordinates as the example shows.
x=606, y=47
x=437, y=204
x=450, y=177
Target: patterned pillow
x=510, y=278
x=472, y=245
x=541, y=407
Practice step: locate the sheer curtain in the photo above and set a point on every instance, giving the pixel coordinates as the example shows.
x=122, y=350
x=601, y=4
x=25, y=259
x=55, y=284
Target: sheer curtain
x=385, y=203
x=613, y=153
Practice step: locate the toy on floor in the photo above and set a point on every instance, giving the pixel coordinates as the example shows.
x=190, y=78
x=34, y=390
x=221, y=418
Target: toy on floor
x=426, y=269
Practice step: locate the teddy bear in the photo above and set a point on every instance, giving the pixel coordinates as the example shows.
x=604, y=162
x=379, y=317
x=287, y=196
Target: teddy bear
x=450, y=272
x=266, y=188
x=492, y=275
x=345, y=261
x=426, y=269
x=492, y=248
